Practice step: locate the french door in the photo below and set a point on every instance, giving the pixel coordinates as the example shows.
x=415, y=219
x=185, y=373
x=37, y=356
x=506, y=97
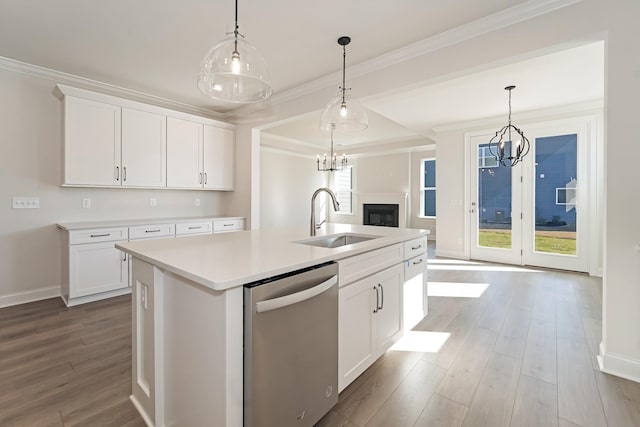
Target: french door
x=535, y=213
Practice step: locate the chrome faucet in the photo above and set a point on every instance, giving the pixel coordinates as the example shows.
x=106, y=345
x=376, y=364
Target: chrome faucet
x=336, y=206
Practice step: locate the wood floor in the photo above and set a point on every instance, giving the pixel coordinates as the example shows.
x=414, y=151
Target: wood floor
x=521, y=353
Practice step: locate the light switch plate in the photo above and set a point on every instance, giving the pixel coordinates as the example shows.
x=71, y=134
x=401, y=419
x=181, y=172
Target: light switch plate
x=25, y=202
x=153, y=202
x=86, y=203
x=197, y=202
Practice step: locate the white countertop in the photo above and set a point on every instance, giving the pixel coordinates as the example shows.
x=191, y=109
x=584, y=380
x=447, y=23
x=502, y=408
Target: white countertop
x=224, y=261
x=141, y=221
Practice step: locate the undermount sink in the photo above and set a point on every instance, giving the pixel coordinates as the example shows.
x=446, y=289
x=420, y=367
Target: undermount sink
x=337, y=240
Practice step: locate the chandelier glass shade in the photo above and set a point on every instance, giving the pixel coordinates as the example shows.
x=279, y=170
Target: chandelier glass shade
x=234, y=71
x=512, y=137
x=343, y=114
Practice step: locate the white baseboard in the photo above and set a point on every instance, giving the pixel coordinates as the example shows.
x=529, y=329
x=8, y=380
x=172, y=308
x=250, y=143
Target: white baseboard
x=29, y=296
x=141, y=411
x=618, y=365
x=450, y=254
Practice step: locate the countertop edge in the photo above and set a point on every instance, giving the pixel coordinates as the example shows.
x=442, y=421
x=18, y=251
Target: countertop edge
x=83, y=225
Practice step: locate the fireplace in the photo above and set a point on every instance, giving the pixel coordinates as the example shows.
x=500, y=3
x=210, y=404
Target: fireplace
x=385, y=215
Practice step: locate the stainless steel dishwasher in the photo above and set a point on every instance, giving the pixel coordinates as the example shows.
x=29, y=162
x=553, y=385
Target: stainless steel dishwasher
x=291, y=348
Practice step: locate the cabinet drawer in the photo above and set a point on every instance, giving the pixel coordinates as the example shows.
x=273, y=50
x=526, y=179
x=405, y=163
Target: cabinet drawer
x=154, y=230
x=98, y=235
x=414, y=266
x=186, y=228
x=415, y=247
x=359, y=266
x=228, y=225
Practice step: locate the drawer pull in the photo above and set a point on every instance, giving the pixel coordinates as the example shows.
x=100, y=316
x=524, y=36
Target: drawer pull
x=413, y=248
x=195, y=227
x=227, y=225
x=417, y=262
x=152, y=231
x=101, y=235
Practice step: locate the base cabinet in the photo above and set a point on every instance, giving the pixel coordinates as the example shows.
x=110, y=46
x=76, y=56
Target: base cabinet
x=370, y=321
x=95, y=268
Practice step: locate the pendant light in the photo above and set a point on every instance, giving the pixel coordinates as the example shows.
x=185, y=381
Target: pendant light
x=234, y=71
x=343, y=113
x=504, y=135
x=332, y=164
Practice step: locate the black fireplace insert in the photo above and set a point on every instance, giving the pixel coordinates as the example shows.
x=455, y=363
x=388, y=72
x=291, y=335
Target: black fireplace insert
x=385, y=215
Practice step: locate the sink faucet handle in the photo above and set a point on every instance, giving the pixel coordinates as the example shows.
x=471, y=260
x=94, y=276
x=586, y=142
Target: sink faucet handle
x=320, y=225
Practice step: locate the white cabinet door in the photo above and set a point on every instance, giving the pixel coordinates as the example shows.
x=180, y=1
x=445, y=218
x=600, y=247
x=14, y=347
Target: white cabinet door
x=144, y=149
x=356, y=341
x=95, y=268
x=91, y=142
x=389, y=314
x=219, y=158
x=184, y=153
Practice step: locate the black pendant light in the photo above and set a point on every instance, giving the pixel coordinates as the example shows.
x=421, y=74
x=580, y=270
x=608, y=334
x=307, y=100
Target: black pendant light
x=507, y=134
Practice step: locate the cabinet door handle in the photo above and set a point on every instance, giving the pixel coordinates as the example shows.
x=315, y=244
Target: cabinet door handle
x=413, y=248
x=375, y=310
x=381, y=296
x=195, y=228
x=101, y=235
x=417, y=262
x=117, y=173
x=200, y=178
x=152, y=231
x=205, y=177
x=124, y=173
x=227, y=225
x=124, y=258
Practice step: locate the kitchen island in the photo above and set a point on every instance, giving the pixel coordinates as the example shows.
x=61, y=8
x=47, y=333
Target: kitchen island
x=188, y=310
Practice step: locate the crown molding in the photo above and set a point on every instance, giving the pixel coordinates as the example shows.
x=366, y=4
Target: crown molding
x=578, y=108
x=105, y=88
x=275, y=150
x=504, y=18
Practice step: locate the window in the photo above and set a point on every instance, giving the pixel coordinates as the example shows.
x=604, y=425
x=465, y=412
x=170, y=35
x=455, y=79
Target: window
x=343, y=181
x=428, y=186
x=486, y=159
x=565, y=196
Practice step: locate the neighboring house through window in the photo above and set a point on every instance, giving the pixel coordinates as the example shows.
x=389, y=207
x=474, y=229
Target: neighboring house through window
x=428, y=188
x=343, y=184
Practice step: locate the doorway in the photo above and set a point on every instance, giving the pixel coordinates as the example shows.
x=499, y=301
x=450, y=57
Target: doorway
x=537, y=212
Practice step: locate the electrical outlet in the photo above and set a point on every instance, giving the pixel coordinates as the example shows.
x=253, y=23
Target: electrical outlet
x=144, y=296
x=25, y=202
x=197, y=202
x=153, y=202
x=86, y=203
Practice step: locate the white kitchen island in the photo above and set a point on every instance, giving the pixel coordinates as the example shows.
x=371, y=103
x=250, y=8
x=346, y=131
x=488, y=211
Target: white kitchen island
x=188, y=310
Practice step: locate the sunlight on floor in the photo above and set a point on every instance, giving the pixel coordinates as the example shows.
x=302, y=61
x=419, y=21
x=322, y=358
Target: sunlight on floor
x=453, y=261
x=421, y=341
x=456, y=290
x=483, y=267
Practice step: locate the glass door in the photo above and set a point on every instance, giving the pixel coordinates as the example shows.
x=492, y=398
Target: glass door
x=533, y=213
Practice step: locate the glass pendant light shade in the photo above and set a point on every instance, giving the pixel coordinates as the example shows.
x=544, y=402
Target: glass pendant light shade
x=234, y=71
x=348, y=116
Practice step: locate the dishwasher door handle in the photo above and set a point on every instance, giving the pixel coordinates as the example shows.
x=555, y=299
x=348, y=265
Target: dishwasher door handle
x=276, y=303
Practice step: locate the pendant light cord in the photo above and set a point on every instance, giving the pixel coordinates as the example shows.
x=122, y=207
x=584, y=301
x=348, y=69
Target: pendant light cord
x=236, y=32
x=344, y=66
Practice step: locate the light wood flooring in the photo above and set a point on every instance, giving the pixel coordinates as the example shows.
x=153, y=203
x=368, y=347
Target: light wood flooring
x=520, y=354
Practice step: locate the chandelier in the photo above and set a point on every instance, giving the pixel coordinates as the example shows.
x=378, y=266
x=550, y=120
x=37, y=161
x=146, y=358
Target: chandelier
x=343, y=113
x=331, y=164
x=504, y=135
x=234, y=71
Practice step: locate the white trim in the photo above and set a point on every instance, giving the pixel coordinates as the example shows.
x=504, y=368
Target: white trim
x=29, y=296
x=269, y=149
x=618, y=365
x=450, y=254
x=141, y=411
x=504, y=18
x=96, y=297
x=71, y=79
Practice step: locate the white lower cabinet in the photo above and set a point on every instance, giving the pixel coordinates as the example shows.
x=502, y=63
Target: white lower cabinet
x=370, y=321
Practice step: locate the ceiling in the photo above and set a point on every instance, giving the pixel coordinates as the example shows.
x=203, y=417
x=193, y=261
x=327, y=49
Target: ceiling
x=155, y=47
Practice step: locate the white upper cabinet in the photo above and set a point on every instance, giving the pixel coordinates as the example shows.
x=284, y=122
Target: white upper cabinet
x=115, y=142
x=184, y=153
x=219, y=158
x=92, y=142
x=144, y=148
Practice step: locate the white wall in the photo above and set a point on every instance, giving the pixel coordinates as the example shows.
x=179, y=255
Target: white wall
x=31, y=165
x=287, y=182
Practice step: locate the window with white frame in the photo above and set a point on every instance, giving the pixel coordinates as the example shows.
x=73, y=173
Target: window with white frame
x=565, y=196
x=486, y=159
x=343, y=184
x=428, y=188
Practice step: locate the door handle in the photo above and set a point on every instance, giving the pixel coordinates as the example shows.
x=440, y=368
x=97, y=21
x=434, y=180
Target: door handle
x=124, y=173
x=280, y=302
x=117, y=173
x=375, y=310
x=124, y=258
x=381, y=296
x=205, y=178
x=200, y=178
